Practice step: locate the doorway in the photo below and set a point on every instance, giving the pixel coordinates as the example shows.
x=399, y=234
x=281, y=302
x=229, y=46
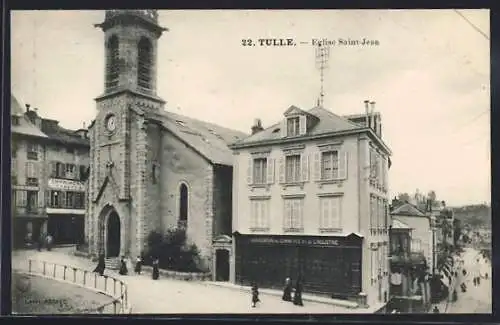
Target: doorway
x=113, y=235
x=222, y=265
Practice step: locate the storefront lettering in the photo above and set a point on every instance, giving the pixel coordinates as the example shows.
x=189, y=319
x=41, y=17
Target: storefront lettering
x=296, y=241
x=66, y=184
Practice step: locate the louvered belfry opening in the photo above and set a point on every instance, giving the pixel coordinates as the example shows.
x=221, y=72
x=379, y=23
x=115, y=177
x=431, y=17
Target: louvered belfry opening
x=112, y=63
x=144, y=64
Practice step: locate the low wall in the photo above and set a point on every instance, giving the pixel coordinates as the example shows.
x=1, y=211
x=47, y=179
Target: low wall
x=106, y=285
x=185, y=276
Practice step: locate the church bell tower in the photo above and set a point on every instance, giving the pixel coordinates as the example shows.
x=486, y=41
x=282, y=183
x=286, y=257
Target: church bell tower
x=119, y=140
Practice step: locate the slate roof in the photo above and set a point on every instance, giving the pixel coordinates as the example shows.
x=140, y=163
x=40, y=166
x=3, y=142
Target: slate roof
x=328, y=122
x=62, y=135
x=209, y=140
x=396, y=224
x=407, y=209
x=25, y=126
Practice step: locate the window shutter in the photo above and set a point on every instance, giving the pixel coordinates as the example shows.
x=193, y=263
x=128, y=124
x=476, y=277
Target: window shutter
x=250, y=171
x=47, y=198
x=287, y=220
x=282, y=169
x=53, y=169
x=324, y=213
x=386, y=185
x=317, y=166
x=262, y=222
x=302, y=124
x=300, y=213
x=283, y=131
x=62, y=199
x=252, y=215
x=342, y=171
x=334, y=207
x=304, y=161
x=270, y=170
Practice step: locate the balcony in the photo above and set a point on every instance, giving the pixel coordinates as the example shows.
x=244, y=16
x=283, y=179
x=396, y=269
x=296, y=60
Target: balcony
x=30, y=211
x=405, y=258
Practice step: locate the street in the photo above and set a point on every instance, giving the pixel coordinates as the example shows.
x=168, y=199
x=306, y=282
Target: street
x=477, y=299
x=174, y=296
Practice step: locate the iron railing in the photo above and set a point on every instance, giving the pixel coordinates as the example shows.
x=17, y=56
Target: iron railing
x=110, y=286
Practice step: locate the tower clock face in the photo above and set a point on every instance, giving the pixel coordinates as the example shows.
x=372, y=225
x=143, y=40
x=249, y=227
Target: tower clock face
x=111, y=123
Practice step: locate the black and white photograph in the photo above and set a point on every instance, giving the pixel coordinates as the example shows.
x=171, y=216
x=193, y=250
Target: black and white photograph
x=250, y=161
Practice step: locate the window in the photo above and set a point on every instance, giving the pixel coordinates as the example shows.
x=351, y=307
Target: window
x=31, y=174
x=259, y=170
x=330, y=213
x=56, y=198
x=70, y=200
x=32, y=151
x=329, y=165
x=13, y=149
x=60, y=170
x=21, y=198
x=372, y=214
x=79, y=200
x=292, y=171
x=69, y=171
x=145, y=63
x=83, y=173
x=416, y=245
x=154, y=174
x=259, y=214
x=293, y=214
x=293, y=126
x=32, y=201
x=112, y=62
x=183, y=205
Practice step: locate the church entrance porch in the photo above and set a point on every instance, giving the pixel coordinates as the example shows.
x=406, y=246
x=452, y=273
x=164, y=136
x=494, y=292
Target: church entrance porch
x=222, y=265
x=110, y=229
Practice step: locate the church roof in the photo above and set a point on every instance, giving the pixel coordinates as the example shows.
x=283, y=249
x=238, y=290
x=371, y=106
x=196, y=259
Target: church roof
x=25, y=127
x=209, y=140
x=407, y=209
x=327, y=122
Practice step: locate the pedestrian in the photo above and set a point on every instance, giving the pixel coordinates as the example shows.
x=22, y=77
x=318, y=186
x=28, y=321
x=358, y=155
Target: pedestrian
x=138, y=265
x=297, y=297
x=123, y=266
x=49, y=242
x=287, y=291
x=101, y=265
x=435, y=310
x=255, y=295
x=39, y=243
x=156, y=270
x=464, y=272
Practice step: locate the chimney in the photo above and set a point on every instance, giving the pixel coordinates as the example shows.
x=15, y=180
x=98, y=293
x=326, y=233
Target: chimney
x=367, y=108
x=27, y=108
x=257, y=126
x=372, y=111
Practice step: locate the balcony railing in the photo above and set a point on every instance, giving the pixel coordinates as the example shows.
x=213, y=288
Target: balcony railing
x=412, y=258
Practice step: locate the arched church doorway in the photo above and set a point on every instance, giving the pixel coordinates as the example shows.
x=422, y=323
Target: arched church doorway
x=222, y=265
x=113, y=235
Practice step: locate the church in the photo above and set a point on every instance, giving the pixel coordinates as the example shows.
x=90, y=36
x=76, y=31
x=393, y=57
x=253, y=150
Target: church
x=152, y=169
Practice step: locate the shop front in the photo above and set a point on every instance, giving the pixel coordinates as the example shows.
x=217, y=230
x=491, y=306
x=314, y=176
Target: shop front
x=329, y=265
x=28, y=230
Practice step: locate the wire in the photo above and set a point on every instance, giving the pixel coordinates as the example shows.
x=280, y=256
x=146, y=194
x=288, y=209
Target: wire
x=473, y=26
x=461, y=126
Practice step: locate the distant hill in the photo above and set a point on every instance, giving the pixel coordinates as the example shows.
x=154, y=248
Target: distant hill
x=477, y=215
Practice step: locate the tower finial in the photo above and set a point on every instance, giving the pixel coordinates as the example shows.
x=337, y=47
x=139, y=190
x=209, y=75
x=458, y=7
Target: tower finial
x=322, y=56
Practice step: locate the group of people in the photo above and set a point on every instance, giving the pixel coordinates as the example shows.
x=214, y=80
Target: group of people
x=287, y=292
x=45, y=240
x=101, y=266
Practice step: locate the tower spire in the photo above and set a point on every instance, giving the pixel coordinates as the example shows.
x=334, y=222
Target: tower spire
x=322, y=56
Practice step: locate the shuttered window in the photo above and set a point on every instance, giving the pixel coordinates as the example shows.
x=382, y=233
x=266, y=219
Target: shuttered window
x=259, y=214
x=293, y=214
x=329, y=165
x=260, y=171
x=21, y=198
x=292, y=169
x=293, y=126
x=330, y=213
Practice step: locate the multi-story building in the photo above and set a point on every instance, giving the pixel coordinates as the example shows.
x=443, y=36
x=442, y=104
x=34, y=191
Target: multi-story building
x=49, y=167
x=152, y=170
x=310, y=198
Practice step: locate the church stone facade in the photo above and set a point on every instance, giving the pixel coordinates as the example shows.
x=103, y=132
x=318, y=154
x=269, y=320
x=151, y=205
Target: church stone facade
x=151, y=169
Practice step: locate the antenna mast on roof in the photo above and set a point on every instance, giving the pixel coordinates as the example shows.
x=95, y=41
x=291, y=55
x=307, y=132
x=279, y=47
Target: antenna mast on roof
x=322, y=56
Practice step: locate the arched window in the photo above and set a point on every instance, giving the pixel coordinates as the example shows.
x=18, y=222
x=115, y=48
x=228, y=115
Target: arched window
x=183, y=205
x=144, y=64
x=112, y=62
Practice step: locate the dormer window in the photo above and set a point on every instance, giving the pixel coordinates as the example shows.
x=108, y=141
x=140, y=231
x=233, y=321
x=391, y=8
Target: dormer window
x=293, y=126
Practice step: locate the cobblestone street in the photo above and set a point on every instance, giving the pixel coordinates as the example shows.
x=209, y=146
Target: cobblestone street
x=174, y=296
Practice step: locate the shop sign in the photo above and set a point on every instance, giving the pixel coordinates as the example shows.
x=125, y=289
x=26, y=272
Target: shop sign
x=295, y=241
x=66, y=185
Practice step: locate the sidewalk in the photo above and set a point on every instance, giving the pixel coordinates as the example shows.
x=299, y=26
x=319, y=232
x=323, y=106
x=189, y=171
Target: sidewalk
x=174, y=296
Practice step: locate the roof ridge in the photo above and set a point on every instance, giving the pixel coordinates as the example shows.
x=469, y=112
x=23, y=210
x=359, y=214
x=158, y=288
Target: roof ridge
x=334, y=115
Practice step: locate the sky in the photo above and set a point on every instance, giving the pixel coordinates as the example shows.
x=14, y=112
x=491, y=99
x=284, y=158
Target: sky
x=429, y=76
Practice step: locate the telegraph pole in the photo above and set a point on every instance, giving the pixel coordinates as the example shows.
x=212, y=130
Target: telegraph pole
x=322, y=56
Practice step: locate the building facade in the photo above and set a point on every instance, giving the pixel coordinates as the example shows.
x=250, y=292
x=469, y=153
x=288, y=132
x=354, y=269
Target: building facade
x=151, y=169
x=310, y=199
x=49, y=170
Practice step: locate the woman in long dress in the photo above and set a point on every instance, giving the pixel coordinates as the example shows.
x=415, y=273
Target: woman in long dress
x=156, y=270
x=101, y=265
x=287, y=291
x=123, y=267
x=255, y=295
x=138, y=265
x=297, y=297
